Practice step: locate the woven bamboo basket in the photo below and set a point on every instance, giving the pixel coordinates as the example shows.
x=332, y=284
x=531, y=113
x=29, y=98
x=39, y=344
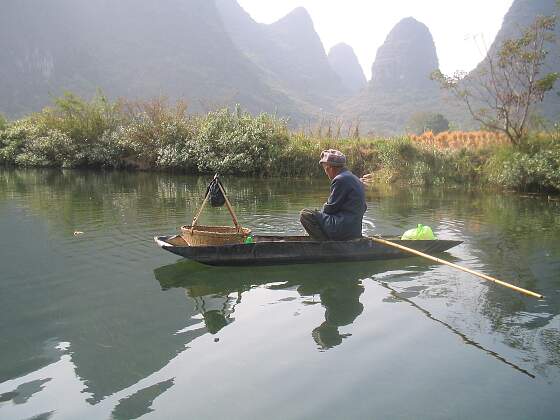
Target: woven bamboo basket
x=196, y=235
x=214, y=235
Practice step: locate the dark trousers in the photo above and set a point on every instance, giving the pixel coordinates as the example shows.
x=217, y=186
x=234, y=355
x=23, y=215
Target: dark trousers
x=311, y=224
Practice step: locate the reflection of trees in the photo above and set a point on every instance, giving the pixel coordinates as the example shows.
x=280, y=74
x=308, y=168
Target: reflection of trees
x=68, y=197
x=131, y=402
x=109, y=339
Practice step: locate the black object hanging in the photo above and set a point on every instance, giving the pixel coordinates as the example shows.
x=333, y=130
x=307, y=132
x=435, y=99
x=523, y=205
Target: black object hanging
x=217, y=198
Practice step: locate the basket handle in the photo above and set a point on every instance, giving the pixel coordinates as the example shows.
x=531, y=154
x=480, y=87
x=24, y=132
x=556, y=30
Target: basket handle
x=228, y=204
x=195, y=219
x=230, y=208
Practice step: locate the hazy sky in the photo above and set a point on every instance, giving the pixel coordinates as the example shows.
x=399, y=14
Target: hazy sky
x=458, y=26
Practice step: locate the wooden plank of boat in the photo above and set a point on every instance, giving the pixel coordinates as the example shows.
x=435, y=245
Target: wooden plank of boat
x=273, y=250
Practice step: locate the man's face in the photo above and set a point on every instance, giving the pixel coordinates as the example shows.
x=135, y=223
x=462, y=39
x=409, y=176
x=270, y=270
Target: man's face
x=329, y=170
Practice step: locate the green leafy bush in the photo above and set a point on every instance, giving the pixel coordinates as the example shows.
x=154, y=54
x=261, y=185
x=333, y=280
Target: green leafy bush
x=156, y=135
x=299, y=157
x=52, y=149
x=14, y=138
x=83, y=121
x=72, y=133
x=420, y=122
x=525, y=171
x=238, y=143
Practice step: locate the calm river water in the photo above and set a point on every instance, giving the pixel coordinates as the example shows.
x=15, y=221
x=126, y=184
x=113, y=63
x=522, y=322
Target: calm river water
x=106, y=325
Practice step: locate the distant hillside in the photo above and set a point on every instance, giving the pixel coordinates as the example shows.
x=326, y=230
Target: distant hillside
x=345, y=64
x=406, y=59
x=289, y=52
x=520, y=15
x=131, y=48
x=39, y=59
x=400, y=84
x=211, y=53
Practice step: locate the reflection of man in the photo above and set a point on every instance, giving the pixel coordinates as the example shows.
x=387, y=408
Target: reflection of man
x=341, y=300
x=342, y=304
x=341, y=217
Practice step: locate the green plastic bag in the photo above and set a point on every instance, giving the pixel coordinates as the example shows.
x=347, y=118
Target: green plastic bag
x=419, y=233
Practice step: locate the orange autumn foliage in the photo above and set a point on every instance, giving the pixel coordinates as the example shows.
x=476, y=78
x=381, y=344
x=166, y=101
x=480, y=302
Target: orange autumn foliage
x=460, y=139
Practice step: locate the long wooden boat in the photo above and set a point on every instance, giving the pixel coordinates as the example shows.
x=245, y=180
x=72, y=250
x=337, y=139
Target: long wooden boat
x=274, y=250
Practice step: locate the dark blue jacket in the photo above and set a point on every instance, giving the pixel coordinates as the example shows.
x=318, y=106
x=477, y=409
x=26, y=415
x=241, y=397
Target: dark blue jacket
x=341, y=218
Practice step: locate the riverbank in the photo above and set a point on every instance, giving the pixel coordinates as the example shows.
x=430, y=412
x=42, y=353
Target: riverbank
x=157, y=136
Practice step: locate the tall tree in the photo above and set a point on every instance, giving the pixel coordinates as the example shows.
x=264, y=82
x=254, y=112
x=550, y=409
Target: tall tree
x=502, y=94
x=421, y=122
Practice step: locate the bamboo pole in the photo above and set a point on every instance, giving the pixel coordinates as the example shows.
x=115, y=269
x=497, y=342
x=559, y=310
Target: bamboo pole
x=468, y=270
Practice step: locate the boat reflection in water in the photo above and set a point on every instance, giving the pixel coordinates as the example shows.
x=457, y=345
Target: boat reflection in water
x=217, y=290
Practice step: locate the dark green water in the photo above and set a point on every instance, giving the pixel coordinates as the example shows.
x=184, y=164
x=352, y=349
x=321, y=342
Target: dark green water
x=107, y=325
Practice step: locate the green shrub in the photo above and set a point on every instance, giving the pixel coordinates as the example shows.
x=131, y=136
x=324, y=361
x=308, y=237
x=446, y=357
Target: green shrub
x=14, y=138
x=73, y=132
x=299, y=157
x=237, y=143
x=463, y=165
x=421, y=122
x=163, y=144
x=83, y=121
x=156, y=135
x=53, y=149
x=106, y=152
x=420, y=173
x=525, y=171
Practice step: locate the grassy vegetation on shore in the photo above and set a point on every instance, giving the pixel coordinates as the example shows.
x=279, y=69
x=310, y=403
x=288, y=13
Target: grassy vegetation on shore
x=154, y=135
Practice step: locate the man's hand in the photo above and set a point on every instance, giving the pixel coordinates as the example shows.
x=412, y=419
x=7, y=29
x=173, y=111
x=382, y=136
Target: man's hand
x=367, y=179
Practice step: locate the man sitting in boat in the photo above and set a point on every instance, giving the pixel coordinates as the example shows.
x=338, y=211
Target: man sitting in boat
x=341, y=217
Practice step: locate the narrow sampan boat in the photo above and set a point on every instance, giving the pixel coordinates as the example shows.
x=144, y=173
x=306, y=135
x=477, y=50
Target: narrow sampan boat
x=228, y=246
x=234, y=246
x=274, y=250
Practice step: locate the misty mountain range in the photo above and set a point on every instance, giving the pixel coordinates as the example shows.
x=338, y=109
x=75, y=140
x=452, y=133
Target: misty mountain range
x=211, y=53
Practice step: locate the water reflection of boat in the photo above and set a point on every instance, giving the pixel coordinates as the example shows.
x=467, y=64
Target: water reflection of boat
x=339, y=287
x=272, y=250
x=216, y=291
